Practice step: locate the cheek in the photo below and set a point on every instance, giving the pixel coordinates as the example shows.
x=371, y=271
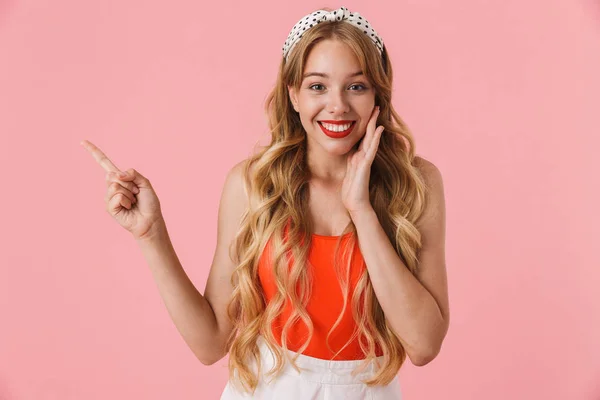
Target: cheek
x=310, y=115
x=313, y=109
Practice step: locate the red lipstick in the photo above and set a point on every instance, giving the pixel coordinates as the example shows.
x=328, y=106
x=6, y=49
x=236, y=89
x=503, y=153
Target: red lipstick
x=336, y=122
x=337, y=135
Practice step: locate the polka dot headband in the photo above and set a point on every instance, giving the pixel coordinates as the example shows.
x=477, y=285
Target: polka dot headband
x=340, y=14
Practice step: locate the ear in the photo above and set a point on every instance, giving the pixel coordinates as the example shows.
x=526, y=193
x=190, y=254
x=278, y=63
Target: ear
x=293, y=97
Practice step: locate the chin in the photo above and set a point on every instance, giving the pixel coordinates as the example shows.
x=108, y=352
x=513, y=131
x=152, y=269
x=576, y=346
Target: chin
x=339, y=149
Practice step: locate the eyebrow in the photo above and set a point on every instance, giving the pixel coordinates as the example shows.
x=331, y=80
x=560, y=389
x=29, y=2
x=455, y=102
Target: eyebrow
x=323, y=75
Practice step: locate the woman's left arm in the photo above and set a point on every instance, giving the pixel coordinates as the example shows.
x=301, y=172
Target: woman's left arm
x=416, y=306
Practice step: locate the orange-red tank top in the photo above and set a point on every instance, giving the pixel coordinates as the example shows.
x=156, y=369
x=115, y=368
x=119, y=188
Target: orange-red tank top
x=324, y=305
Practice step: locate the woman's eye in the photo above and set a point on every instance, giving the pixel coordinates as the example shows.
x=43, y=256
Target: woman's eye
x=359, y=85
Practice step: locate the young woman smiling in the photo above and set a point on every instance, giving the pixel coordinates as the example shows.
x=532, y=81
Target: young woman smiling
x=329, y=269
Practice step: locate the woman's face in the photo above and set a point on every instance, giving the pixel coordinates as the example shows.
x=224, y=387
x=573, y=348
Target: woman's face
x=333, y=90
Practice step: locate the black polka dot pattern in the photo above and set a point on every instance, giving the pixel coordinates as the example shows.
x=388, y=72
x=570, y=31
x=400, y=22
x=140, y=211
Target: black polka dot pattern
x=340, y=14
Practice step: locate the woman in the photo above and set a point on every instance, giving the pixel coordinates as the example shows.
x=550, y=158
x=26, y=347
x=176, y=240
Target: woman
x=330, y=268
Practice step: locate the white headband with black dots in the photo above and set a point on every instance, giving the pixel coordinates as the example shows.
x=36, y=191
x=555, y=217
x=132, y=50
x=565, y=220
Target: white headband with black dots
x=340, y=14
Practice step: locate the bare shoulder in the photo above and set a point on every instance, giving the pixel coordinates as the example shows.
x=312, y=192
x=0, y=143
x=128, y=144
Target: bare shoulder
x=235, y=189
x=233, y=203
x=236, y=173
x=429, y=170
x=432, y=222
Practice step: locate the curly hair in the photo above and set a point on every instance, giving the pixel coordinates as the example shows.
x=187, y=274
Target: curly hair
x=276, y=179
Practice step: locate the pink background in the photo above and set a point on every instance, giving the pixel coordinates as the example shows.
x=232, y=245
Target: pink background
x=502, y=96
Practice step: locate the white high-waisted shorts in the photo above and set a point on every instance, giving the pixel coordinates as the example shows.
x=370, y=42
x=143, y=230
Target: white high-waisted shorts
x=319, y=379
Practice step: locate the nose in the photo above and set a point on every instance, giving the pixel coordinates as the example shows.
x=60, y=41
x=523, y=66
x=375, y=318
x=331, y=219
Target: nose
x=337, y=104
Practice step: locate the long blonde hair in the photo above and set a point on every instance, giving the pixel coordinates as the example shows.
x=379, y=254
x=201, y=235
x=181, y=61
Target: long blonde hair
x=276, y=180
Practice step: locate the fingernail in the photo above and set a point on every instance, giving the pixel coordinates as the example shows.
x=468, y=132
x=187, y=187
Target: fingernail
x=122, y=174
x=136, y=190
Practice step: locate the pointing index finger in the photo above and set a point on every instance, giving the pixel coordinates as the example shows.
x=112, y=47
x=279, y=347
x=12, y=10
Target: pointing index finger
x=102, y=159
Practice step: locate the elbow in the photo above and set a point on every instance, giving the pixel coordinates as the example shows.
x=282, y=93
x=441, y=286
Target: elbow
x=422, y=360
x=211, y=353
x=209, y=358
x=424, y=356
x=204, y=359
x=429, y=350
x=208, y=361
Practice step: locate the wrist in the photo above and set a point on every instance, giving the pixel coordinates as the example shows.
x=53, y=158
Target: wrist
x=362, y=213
x=157, y=231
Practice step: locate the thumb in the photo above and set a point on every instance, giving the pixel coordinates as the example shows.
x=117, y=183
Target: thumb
x=134, y=176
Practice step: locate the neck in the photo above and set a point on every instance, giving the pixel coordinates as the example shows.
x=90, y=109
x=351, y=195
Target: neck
x=326, y=167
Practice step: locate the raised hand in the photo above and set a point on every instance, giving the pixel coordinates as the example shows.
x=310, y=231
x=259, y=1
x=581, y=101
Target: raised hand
x=355, y=186
x=130, y=198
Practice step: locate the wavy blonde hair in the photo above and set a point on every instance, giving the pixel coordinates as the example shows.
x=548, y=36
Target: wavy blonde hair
x=276, y=180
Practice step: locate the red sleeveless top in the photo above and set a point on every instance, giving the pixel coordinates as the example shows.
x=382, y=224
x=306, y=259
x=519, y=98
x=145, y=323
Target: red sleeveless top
x=325, y=303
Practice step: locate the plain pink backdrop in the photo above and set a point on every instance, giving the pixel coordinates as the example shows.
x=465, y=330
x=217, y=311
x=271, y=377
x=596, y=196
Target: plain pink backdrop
x=502, y=96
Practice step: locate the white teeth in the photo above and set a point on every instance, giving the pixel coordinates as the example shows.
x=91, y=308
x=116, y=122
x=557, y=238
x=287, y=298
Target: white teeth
x=336, y=128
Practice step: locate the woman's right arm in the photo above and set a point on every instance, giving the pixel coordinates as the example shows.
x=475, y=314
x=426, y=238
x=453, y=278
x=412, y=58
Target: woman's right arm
x=200, y=319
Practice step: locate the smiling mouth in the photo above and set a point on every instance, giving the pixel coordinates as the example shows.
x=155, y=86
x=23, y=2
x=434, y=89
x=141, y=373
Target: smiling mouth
x=336, y=133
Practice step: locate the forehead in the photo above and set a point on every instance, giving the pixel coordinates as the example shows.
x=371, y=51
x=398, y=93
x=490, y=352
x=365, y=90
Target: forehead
x=331, y=57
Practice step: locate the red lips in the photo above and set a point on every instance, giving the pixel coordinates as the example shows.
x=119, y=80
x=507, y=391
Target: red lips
x=337, y=122
x=337, y=135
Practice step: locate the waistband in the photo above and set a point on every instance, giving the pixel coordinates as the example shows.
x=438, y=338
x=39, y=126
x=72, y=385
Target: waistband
x=316, y=369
